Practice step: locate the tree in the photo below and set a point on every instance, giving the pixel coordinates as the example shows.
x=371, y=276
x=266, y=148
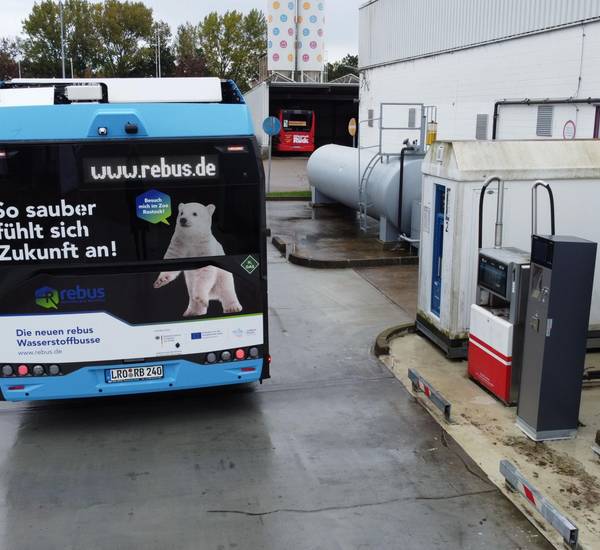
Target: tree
x=42, y=46
x=41, y=49
x=188, y=55
x=83, y=44
x=255, y=37
x=148, y=61
x=231, y=45
x=346, y=65
x=126, y=32
x=9, y=52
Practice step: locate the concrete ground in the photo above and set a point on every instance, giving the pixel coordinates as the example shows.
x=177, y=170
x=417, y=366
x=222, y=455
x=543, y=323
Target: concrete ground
x=288, y=173
x=332, y=453
x=565, y=472
x=329, y=234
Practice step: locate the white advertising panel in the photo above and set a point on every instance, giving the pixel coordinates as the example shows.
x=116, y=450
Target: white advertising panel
x=93, y=337
x=311, y=35
x=281, y=17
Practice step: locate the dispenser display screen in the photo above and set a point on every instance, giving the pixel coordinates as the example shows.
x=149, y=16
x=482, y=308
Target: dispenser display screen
x=493, y=276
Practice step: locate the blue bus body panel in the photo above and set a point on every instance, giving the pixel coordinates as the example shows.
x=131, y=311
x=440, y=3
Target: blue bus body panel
x=155, y=120
x=91, y=381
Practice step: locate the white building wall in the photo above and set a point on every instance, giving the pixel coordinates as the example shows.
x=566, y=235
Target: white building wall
x=257, y=100
x=467, y=82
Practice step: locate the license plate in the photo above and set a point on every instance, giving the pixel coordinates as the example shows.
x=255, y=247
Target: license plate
x=131, y=374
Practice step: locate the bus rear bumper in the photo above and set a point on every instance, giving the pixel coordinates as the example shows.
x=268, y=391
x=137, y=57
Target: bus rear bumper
x=91, y=381
x=284, y=148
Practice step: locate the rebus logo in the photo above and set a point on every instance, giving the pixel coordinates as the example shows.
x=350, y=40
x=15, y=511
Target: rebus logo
x=47, y=297
x=50, y=298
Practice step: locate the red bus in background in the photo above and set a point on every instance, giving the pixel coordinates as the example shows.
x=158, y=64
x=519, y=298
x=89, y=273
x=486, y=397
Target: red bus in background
x=297, y=131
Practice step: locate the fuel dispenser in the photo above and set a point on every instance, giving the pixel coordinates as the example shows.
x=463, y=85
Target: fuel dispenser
x=495, y=354
x=558, y=309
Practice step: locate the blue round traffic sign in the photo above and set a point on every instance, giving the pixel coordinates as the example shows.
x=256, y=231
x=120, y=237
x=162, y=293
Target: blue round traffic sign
x=272, y=126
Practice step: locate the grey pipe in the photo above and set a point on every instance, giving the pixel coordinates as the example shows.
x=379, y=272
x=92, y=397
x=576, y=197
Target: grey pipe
x=499, y=215
x=499, y=212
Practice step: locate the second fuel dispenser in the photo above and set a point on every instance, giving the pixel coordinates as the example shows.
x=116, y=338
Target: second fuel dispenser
x=495, y=353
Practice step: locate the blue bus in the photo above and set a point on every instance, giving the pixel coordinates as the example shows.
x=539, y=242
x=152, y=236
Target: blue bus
x=132, y=238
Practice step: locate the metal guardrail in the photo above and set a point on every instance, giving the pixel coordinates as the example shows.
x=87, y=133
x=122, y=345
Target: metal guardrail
x=420, y=384
x=517, y=482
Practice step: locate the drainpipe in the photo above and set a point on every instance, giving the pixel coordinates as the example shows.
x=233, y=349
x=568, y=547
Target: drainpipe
x=548, y=101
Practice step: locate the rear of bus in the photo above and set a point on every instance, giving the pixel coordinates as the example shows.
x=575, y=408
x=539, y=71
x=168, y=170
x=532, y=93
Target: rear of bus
x=132, y=245
x=297, y=131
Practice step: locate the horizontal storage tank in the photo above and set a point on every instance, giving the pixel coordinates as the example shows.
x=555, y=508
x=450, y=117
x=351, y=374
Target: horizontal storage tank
x=333, y=172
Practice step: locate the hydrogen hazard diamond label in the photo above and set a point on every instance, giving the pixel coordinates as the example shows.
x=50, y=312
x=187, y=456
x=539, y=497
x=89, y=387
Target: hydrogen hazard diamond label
x=250, y=264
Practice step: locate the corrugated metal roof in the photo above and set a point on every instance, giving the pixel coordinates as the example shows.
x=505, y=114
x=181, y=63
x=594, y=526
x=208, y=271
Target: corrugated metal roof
x=399, y=30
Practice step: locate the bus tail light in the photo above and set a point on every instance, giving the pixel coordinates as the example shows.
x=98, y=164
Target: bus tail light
x=38, y=370
x=248, y=369
x=7, y=370
x=22, y=370
x=16, y=388
x=2, y=154
x=54, y=370
x=236, y=149
x=240, y=354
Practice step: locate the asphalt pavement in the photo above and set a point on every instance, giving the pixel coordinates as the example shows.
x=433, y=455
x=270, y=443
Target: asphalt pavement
x=331, y=453
x=288, y=173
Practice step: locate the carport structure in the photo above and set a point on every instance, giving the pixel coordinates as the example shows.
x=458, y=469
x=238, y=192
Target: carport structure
x=334, y=104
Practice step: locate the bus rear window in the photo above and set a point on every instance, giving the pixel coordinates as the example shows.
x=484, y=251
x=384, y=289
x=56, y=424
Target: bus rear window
x=297, y=121
x=117, y=202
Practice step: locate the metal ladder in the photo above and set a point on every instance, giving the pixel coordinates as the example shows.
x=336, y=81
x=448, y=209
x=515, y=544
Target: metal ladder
x=364, y=176
x=363, y=196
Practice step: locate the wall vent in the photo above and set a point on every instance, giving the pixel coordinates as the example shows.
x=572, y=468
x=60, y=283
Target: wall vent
x=371, y=116
x=545, y=117
x=481, y=129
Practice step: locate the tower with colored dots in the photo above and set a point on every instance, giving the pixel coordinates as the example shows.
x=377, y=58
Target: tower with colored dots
x=296, y=35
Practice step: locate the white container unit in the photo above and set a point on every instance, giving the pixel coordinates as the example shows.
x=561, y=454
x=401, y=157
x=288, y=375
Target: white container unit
x=453, y=175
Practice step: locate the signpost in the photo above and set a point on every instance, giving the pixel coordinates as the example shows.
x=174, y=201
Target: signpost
x=271, y=127
x=352, y=130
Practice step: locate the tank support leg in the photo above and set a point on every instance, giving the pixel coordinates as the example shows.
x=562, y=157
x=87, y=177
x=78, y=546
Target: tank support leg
x=387, y=232
x=318, y=198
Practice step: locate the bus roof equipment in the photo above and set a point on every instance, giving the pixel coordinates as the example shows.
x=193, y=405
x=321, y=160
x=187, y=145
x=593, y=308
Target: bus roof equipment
x=114, y=90
x=73, y=109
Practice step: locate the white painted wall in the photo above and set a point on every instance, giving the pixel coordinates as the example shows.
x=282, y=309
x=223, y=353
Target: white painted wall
x=467, y=82
x=257, y=100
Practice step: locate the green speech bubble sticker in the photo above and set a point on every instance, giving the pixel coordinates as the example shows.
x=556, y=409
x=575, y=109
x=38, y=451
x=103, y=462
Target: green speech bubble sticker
x=154, y=207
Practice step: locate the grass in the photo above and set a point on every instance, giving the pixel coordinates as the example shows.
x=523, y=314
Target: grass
x=299, y=194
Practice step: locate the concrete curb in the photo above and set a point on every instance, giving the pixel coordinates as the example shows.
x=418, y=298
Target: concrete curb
x=382, y=342
x=288, y=199
x=316, y=263
x=279, y=244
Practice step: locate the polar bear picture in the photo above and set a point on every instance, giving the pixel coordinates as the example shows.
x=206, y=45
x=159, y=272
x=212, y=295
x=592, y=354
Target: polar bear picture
x=193, y=238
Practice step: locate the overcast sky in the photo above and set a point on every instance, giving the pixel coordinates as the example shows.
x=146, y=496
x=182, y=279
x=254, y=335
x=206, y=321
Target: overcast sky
x=342, y=18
